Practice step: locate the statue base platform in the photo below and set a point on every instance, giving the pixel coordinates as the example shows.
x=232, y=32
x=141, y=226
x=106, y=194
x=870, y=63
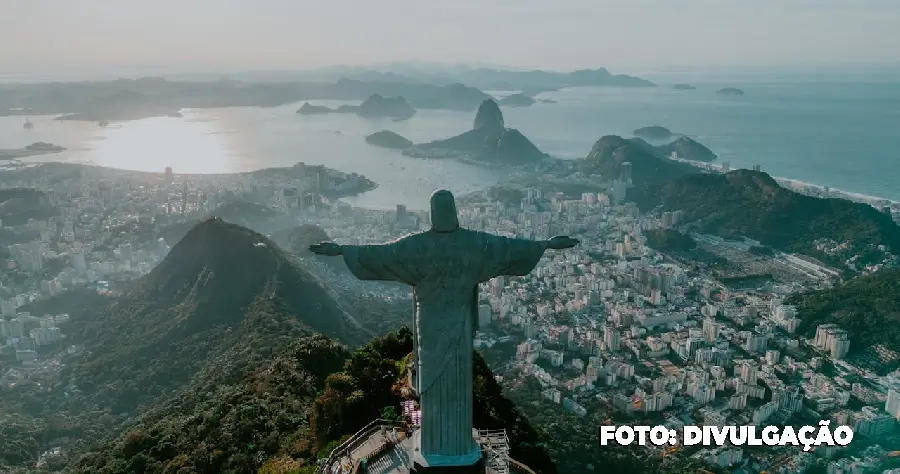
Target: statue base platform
x=405, y=457
x=472, y=463
x=477, y=468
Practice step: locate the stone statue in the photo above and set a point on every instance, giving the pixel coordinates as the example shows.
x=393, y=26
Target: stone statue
x=444, y=265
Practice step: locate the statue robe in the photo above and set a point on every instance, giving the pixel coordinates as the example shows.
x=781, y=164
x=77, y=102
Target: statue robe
x=445, y=269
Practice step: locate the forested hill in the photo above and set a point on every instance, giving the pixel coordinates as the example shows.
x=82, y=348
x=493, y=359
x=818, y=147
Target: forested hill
x=224, y=295
x=291, y=411
x=752, y=204
x=611, y=151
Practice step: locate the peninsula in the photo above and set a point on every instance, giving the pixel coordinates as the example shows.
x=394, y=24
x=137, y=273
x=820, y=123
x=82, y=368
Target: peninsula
x=683, y=147
x=611, y=152
x=37, y=148
x=132, y=99
x=489, y=141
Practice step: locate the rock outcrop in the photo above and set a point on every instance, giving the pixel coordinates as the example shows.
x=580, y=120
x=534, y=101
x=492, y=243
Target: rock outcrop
x=488, y=141
x=391, y=107
x=489, y=116
x=389, y=139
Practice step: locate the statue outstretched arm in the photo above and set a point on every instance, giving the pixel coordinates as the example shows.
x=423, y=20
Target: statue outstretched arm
x=386, y=262
x=560, y=242
x=516, y=257
x=328, y=249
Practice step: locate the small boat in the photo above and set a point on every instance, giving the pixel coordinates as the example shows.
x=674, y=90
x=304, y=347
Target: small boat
x=104, y=123
x=28, y=125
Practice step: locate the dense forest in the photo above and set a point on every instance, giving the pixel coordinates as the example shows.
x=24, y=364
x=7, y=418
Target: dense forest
x=868, y=307
x=292, y=411
x=668, y=240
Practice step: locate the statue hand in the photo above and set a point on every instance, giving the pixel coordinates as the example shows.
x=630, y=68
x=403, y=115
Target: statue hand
x=329, y=249
x=561, y=242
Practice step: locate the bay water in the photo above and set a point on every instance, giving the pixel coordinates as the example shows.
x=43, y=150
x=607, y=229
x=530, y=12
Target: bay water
x=843, y=134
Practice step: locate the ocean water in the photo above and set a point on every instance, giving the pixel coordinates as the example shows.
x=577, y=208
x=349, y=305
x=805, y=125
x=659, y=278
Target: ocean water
x=843, y=133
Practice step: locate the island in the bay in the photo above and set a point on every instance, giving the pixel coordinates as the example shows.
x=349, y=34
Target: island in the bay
x=683, y=87
x=653, y=132
x=730, y=91
x=517, y=100
x=389, y=139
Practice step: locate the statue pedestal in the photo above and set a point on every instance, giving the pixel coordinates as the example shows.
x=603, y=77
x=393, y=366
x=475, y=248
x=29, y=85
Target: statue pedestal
x=474, y=463
x=477, y=468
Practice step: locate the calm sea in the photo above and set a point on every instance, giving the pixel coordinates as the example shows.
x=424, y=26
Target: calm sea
x=839, y=133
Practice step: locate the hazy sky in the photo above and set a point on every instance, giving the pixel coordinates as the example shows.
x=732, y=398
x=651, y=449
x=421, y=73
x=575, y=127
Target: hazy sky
x=42, y=35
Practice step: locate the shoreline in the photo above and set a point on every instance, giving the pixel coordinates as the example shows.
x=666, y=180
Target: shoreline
x=365, y=184
x=15, y=154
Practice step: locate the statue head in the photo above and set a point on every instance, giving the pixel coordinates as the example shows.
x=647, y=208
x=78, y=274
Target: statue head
x=443, y=212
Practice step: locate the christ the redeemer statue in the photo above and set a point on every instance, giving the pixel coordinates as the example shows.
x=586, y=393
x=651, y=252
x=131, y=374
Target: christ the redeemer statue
x=444, y=266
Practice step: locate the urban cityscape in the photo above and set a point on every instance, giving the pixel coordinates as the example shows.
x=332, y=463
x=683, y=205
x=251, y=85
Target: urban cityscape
x=612, y=322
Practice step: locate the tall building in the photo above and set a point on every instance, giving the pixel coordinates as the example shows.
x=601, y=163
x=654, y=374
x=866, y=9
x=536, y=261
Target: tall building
x=484, y=316
x=625, y=173
x=611, y=339
x=710, y=329
x=618, y=190
x=832, y=339
x=497, y=286
x=126, y=253
x=892, y=405
x=77, y=260
x=748, y=372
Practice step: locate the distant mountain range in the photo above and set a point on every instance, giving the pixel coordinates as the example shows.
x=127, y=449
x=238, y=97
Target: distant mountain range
x=129, y=99
x=508, y=80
